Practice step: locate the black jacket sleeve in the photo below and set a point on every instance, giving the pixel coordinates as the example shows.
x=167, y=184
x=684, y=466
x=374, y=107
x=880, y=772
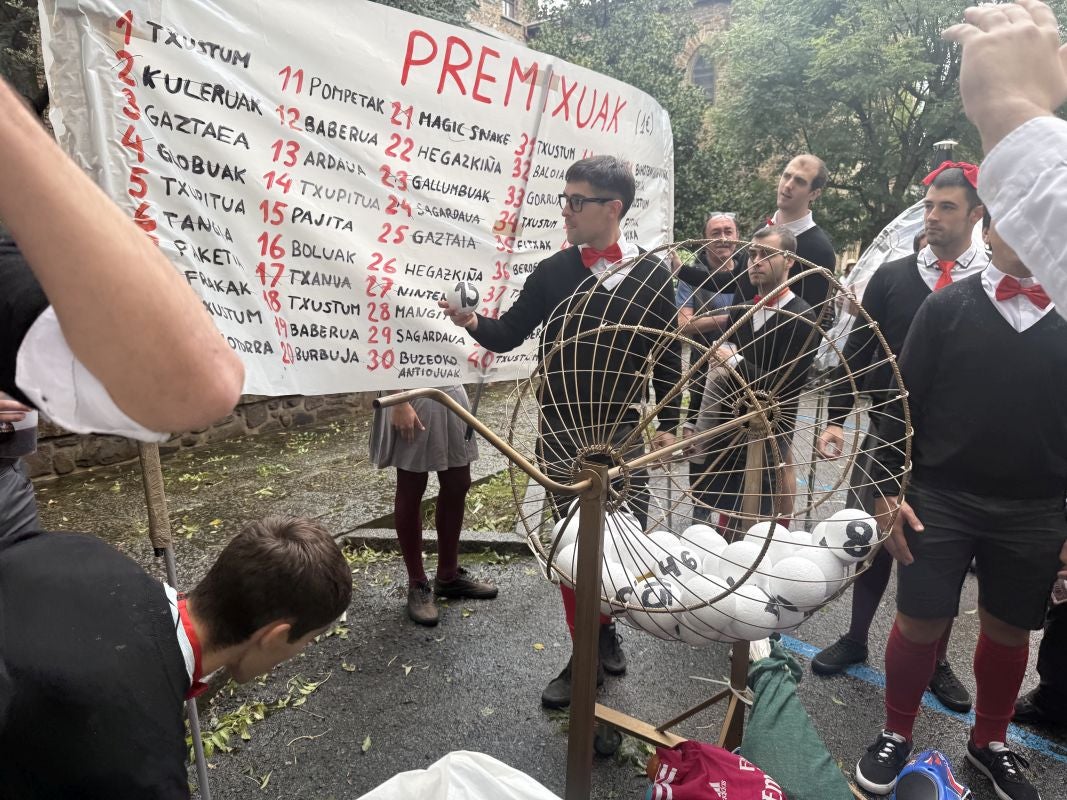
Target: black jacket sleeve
x=667, y=368
x=519, y=321
x=22, y=301
x=859, y=351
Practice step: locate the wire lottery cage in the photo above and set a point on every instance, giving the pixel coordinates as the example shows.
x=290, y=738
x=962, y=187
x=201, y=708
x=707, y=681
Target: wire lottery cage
x=747, y=524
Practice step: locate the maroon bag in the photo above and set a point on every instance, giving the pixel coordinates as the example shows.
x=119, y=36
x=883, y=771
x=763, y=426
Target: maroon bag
x=696, y=771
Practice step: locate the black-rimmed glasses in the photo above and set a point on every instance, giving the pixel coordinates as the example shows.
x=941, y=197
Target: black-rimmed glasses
x=576, y=201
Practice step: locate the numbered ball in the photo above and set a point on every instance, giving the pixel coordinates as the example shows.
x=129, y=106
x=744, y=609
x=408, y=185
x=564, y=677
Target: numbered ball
x=703, y=543
x=669, y=562
x=705, y=622
x=464, y=296
x=736, y=559
x=615, y=585
x=780, y=547
x=797, y=584
x=656, y=595
x=850, y=534
x=755, y=615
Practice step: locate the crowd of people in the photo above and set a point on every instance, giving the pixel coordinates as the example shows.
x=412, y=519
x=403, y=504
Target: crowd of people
x=97, y=657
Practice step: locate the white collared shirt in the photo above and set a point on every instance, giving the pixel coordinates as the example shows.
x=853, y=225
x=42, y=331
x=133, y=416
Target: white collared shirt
x=629, y=253
x=1018, y=311
x=973, y=259
x=797, y=226
x=762, y=315
x=179, y=631
x=1022, y=184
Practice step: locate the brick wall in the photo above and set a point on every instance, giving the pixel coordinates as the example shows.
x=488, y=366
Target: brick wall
x=60, y=452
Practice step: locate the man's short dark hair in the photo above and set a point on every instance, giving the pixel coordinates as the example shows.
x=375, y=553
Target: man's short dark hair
x=954, y=177
x=606, y=174
x=916, y=242
x=277, y=569
x=786, y=239
x=822, y=174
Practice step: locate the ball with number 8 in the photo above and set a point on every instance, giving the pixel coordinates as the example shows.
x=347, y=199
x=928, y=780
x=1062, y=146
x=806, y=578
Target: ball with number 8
x=850, y=534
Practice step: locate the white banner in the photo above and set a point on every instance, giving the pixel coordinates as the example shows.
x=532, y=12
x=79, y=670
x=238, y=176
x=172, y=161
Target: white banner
x=323, y=172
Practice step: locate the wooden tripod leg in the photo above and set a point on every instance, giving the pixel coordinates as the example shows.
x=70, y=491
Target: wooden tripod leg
x=586, y=634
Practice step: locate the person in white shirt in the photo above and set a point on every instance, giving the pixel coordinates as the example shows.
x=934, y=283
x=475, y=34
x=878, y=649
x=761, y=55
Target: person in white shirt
x=120, y=324
x=1012, y=79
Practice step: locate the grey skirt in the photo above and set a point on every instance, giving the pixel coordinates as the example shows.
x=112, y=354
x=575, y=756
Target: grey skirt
x=443, y=445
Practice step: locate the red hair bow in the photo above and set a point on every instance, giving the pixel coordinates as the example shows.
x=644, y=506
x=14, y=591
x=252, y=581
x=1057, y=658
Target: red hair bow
x=970, y=172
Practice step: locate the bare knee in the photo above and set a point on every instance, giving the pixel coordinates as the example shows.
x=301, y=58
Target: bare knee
x=922, y=631
x=1001, y=632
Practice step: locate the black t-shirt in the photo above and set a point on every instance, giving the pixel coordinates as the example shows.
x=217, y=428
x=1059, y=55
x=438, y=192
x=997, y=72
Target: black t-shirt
x=22, y=301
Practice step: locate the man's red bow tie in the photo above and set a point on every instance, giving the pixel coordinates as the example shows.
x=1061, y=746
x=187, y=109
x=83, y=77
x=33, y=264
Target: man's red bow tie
x=1010, y=287
x=591, y=255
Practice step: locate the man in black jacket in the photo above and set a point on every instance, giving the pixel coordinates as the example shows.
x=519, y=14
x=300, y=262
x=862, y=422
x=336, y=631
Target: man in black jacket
x=989, y=471
x=770, y=353
x=892, y=297
x=593, y=384
x=97, y=657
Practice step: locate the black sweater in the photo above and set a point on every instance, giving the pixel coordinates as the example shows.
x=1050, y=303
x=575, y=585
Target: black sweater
x=21, y=301
x=92, y=679
x=778, y=355
x=595, y=378
x=892, y=298
x=988, y=404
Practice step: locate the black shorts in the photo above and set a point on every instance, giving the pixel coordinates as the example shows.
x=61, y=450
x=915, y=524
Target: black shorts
x=1015, y=543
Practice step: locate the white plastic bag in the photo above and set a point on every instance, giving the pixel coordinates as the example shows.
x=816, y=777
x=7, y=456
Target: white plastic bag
x=462, y=775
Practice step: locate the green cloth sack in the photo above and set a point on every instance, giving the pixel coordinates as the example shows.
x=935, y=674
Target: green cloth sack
x=804, y=769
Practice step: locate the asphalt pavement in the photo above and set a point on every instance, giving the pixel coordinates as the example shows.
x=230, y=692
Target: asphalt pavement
x=379, y=695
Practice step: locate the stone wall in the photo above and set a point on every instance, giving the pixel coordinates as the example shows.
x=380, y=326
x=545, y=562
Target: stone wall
x=489, y=14
x=60, y=452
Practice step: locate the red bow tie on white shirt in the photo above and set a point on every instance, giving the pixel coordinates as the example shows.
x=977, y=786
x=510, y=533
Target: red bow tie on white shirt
x=1009, y=287
x=591, y=255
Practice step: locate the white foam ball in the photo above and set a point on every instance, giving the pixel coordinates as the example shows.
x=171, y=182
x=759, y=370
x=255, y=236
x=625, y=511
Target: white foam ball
x=670, y=563
x=851, y=534
x=831, y=567
x=568, y=529
x=797, y=584
x=702, y=543
x=705, y=623
x=781, y=545
x=464, y=296
x=566, y=562
x=755, y=616
x=626, y=545
x=654, y=593
x=615, y=585
x=736, y=559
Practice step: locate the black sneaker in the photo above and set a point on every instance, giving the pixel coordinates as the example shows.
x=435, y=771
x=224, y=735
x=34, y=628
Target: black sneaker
x=612, y=658
x=464, y=585
x=843, y=653
x=558, y=692
x=949, y=690
x=1030, y=710
x=877, y=771
x=1004, y=768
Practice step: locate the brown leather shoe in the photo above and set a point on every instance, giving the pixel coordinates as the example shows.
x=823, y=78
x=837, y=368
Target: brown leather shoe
x=464, y=585
x=421, y=608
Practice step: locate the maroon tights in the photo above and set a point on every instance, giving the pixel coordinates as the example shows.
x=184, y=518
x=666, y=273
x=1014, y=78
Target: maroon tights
x=407, y=514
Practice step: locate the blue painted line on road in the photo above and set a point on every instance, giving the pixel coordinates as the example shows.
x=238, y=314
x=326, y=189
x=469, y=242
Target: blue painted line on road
x=1026, y=738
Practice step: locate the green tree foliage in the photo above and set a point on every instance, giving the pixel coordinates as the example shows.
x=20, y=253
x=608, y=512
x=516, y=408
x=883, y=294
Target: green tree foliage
x=20, y=51
x=639, y=43
x=868, y=85
x=453, y=12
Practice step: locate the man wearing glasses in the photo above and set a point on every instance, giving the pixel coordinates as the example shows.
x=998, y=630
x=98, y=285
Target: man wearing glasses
x=771, y=352
x=599, y=299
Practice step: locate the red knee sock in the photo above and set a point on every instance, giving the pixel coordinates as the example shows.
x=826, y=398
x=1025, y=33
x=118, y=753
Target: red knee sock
x=908, y=669
x=570, y=603
x=999, y=671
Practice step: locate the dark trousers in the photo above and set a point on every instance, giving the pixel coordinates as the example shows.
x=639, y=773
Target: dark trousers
x=18, y=508
x=1052, y=664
